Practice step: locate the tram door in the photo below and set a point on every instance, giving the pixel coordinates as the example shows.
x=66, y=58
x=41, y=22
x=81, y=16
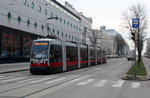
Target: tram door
x=64, y=56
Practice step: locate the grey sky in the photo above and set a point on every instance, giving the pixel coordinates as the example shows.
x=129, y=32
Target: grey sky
x=107, y=12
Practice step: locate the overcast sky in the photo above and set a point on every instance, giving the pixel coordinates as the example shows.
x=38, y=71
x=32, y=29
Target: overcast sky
x=107, y=12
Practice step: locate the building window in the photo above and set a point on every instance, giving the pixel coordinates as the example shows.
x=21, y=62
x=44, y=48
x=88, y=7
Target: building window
x=71, y=24
x=19, y=19
x=57, y=32
x=68, y=23
x=28, y=22
x=60, y=19
x=45, y=11
x=11, y=44
x=72, y=38
x=66, y=36
x=51, y=14
x=64, y=21
x=53, y=31
x=9, y=15
x=25, y=2
x=69, y=37
x=35, y=24
x=48, y=29
x=32, y=5
x=40, y=8
x=77, y=28
x=42, y=27
x=62, y=34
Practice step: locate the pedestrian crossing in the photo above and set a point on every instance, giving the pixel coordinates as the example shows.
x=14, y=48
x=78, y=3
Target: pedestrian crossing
x=106, y=83
x=117, y=83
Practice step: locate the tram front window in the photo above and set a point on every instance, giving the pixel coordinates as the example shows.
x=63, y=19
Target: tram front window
x=40, y=50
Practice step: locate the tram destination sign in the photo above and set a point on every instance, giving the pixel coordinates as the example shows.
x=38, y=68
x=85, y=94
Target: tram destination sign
x=37, y=43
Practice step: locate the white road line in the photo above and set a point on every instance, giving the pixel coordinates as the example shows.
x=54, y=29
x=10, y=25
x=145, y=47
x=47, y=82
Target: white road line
x=7, y=77
x=37, y=81
x=118, y=83
x=13, y=79
x=86, y=82
x=101, y=83
x=135, y=85
x=2, y=76
x=56, y=80
x=51, y=90
x=28, y=80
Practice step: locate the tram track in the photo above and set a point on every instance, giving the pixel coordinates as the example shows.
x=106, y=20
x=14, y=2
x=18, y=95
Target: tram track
x=42, y=81
x=69, y=82
x=87, y=70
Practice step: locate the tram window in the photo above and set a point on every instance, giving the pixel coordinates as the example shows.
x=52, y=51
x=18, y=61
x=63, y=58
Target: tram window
x=55, y=53
x=92, y=54
x=83, y=54
x=71, y=53
x=98, y=54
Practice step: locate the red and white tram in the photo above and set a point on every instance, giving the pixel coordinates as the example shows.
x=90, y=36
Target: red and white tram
x=54, y=55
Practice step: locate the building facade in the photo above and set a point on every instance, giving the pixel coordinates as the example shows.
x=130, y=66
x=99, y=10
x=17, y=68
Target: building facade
x=148, y=48
x=104, y=41
x=25, y=20
x=112, y=33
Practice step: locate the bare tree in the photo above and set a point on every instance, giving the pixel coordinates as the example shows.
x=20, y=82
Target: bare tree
x=137, y=11
x=94, y=37
x=120, y=42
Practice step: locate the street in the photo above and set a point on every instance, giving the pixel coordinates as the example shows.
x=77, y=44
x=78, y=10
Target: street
x=102, y=81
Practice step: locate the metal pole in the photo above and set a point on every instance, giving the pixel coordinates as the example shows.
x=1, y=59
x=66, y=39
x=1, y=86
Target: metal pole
x=136, y=39
x=135, y=61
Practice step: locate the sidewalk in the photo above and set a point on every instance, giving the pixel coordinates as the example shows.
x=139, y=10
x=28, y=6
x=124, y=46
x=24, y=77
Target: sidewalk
x=14, y=67
x=147, y=65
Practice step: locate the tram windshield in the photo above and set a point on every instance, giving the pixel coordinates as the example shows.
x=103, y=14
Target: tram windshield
x=40, y=50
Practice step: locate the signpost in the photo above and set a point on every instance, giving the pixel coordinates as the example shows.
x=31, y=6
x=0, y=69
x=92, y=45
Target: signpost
x=135, y=25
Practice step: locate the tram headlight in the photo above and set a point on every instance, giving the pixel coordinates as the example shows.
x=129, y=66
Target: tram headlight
x=45, y=62
x=32, y=62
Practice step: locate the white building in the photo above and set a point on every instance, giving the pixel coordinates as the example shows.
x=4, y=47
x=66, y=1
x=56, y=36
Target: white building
x=22, y=21
x=148, y=48
x=113, y=33
x=85, y=23
x=105, y=41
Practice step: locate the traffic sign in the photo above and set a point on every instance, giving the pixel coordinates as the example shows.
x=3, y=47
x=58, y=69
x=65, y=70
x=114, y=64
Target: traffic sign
x=135, y=23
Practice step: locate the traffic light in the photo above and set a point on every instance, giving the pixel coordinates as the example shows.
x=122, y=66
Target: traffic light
x=133, y=36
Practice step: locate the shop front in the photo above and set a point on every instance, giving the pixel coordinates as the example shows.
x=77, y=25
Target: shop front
x=15, y=45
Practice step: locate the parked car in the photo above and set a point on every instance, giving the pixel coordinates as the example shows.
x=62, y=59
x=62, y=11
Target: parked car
x=131, y=55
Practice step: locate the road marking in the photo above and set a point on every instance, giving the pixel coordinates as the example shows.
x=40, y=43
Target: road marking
x=118, y=83
x=51, y=90
x=37, y=81
x=2, y=76
x=56, y=80
x=135, y=85
x=86, y=82
x=101, y=83
x=28, y=80
x=13, y=79
x=7, y=77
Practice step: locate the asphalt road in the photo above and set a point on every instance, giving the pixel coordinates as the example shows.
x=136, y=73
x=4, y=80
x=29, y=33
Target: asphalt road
x=102, y=81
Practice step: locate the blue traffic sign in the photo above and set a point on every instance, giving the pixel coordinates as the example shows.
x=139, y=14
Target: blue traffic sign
x=135, y=23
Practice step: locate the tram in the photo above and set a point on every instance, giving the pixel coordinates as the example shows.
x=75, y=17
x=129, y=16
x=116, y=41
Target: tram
x=54, y=55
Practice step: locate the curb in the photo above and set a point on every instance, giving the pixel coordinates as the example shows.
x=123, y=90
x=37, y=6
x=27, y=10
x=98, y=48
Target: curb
x=137, y=78
x=13, y=71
